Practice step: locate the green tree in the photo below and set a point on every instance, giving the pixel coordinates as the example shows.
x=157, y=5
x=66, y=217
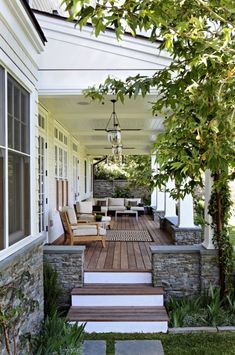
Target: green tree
x=195, y=92
x=138, y=168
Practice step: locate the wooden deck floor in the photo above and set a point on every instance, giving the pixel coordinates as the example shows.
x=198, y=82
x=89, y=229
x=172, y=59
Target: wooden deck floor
x=125, y=256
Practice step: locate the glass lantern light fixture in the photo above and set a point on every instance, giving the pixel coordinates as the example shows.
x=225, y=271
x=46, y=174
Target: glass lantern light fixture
x=113, y=128
x=117, y=150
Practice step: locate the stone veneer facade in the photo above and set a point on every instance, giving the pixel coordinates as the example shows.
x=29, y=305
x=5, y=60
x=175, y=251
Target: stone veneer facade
x=23, y=271
x=181, y=236
x=68, y=261
x=106, y=188
x=184, y=270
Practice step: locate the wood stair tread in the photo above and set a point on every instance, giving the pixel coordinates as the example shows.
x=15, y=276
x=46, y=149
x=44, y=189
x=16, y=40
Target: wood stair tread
x=118, y=314
x=117, y=289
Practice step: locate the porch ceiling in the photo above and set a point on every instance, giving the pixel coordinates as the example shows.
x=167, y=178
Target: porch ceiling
x=81, y=117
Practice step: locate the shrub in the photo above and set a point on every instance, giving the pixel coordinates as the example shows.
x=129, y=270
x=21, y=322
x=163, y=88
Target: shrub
x=207, y=309
x=121, y=192
x=59, y=337
x=52, y=290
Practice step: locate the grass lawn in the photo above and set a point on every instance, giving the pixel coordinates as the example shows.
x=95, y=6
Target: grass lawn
x=177, y=344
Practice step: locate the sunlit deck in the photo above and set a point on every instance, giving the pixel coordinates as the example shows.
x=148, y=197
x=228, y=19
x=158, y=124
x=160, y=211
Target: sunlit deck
x=125, y=256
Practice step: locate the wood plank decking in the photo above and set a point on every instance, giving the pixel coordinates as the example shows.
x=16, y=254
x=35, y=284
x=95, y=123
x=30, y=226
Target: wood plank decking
x=125, y=256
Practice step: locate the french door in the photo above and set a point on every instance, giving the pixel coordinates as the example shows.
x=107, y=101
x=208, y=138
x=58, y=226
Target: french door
x=42, y=172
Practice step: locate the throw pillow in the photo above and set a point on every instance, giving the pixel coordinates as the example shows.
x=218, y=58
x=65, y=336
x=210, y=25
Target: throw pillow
x=133, y=203
x=101, y=203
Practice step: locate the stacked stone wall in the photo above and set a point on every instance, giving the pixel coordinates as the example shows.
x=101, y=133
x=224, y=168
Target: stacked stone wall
x=21, y=285
x=181, y=236
x=106, y=188
x=184, y=270
x=68, y=261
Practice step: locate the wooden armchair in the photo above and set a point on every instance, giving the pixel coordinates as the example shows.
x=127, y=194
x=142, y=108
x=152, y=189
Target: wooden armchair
x=82, y=232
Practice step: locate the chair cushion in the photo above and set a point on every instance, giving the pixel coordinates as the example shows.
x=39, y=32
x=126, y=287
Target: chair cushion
x=88, y=230
x=137, y=208
x=71, y=214
x=101, y=202
x=132, y=201
x=84, y=207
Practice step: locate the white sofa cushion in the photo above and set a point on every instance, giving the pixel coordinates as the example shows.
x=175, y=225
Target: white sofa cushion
x=117, y=208
x=137, y=208
x=116, y=202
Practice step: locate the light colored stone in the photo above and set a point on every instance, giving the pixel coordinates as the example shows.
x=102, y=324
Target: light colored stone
x=138, y=347
x=94, y=347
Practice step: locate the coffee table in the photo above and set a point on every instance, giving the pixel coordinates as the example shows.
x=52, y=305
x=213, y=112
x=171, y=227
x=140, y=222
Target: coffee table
x=127, y=212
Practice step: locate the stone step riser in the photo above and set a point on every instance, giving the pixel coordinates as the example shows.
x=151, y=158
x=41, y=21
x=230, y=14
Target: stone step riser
x=117, y=277
x=117, y=300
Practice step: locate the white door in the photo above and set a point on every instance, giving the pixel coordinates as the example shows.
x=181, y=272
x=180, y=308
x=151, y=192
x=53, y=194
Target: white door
x=42, y=199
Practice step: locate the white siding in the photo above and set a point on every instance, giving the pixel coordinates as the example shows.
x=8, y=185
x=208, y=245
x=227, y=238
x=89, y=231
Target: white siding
x=20, y=47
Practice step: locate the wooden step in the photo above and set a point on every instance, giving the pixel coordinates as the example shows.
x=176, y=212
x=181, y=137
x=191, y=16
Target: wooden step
x=100, y=295
x=117, y=314
x=120, y=319
x=117, y=289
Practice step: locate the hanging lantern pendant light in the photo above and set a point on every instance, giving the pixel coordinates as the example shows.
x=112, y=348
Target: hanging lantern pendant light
x=114, y=133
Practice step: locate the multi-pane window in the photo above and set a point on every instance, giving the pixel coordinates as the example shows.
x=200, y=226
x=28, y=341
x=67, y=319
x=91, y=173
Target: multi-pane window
x=2, y=155
x=18, y=161
x=18, y=116
x=61, y=168
x=2, y=206
x=14, y=161
x=18, y=196
x=85, y=176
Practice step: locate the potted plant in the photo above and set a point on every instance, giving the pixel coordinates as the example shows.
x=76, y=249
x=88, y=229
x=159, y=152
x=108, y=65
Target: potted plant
x=98, y=217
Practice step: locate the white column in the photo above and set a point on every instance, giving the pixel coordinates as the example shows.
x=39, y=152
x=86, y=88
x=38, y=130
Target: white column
x=170, y=204
x=154, y=171
x=186, y=218
x=154, y=197
x=208, y=231
x=160, y=200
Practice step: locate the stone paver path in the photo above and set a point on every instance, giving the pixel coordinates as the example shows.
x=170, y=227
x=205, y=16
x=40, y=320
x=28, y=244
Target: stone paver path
x=94, y=347
x=139, y=347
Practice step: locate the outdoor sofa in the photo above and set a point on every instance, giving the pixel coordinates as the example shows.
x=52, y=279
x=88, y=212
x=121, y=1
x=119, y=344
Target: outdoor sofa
x=112, y=204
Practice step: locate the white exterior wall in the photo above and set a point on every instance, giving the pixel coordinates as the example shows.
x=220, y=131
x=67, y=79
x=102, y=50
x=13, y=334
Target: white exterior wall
x=55, y=229
x=20, y=47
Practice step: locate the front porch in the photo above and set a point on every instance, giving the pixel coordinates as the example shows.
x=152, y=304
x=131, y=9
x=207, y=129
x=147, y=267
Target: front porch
x=126, y=256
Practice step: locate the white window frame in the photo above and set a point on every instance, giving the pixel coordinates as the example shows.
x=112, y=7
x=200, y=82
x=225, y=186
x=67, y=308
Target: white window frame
x=61, y=177
x=42, y=132
x=29, y=87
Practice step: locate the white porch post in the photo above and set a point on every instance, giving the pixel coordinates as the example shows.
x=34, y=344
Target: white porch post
x=154, y=170
x=170, y=204
x=186, y=218
x=208, y=231
x=160, y=200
